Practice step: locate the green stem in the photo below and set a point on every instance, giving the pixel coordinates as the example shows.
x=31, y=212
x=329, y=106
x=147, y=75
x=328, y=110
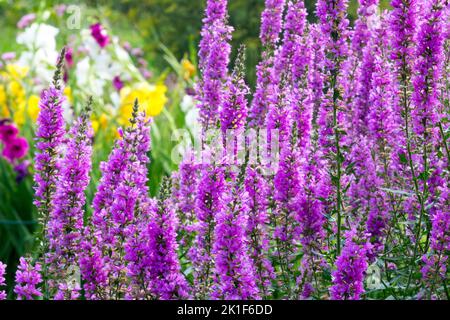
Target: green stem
x=444, y=141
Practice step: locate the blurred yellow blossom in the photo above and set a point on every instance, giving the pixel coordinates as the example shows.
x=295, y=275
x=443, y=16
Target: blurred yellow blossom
x=99, y=122
x=188, y=69
x=4, y=112
x=16, y=72
x=16, y=90
x=29, y=110
x=152, y=99
x=68, y=94
x=33, y=107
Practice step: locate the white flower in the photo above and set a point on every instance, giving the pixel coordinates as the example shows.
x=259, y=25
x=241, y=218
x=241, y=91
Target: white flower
x=41, y=56
x=39, y=36
x=87, y=77
x=192, y=121
x=187, y=103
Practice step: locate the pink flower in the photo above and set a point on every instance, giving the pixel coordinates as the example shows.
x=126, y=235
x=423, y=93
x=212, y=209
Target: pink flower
x=60, y=10
x=26, y=20
x=8, y=56
x=100, y=35
x=69, y=57
x=7, y=133
x=118, y=84
x=15, y=149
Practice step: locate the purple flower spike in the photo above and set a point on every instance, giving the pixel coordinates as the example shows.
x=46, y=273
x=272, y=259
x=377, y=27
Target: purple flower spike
x=28, y=278
x=2, y=280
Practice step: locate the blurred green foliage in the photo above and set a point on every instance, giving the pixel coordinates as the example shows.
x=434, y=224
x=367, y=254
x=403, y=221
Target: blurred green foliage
x=175, y=23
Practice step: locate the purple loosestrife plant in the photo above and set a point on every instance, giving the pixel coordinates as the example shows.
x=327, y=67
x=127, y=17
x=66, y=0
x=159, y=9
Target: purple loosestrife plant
x=435, y=268
x=297, y=57
x=214, y=55
x=271, y=25
x=383, y=130
x=363, y=26
x=135, y=247
x=66, y=220
x=233, y=114
x=290, y=61
x=127, y=195
x=184, y=193
x=28, y=279
x=333, y=23
x=234, y=270
x=258, y=235
x=287, y=182
x=316, y=69
x=403, y=23
x=2, y=280
x=49, y=139
x=425, y=114
x=209, y=203
x=122, y=187
x=361, y=177
x=310, y=217
x=348, y=279
x=165, y=277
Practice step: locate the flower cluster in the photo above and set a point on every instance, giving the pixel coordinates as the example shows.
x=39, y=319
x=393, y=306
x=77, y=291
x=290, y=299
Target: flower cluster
x=15, y=147
x=2, y=280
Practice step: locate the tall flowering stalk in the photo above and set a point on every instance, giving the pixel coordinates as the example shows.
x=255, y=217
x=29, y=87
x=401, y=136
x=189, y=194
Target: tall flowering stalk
x=185, y=194
x=66, y=220
x=214, y=55
x=136, y=247
x=403, y=23
x=127, y=195
x=271, y=25
x=28, y=278
x=425, y=114
x=258, y=192
x=234, y=270
x=363, y=25
x=297, y=51
x=165, y=277
x=310, y=216
x=317, y=71
x=122, y=188
x=288, y=65
x=2, y=280
x=209, y=203
x=233, y=114
x=98, y=237
x=287, y=182
x=383, y=131
x=333, y=23
x=435, y=268
x=348, y=279
x=49, y=136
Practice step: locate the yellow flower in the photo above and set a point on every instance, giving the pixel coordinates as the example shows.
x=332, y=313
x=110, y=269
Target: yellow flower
x=16, y=91
x=95, y=125
x=68, y=94
x=16, y=72
x=27, y=111
x=4, y=112
x=33, y=107
x=151, y=98
x=188, y=69
x=99, y=122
